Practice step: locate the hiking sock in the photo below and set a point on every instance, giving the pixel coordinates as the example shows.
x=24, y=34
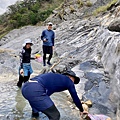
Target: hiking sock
x=49, y=63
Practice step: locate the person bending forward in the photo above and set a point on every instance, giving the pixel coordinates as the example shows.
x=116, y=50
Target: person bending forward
x=39, y=89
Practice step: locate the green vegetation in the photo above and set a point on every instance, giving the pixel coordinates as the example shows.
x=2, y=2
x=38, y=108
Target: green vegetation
x=72, y=9
x=27, y=12
x=80, y=3
x=5, y=33
x=34, y=12
x=104, y=8
x=88, y=3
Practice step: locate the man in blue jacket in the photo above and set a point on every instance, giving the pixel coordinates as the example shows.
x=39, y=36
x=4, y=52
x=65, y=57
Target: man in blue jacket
x=38, y=90
x=48, y=37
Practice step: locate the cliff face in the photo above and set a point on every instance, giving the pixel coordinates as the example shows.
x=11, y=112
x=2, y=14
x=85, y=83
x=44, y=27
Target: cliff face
x=91, y=40
x=77, y=9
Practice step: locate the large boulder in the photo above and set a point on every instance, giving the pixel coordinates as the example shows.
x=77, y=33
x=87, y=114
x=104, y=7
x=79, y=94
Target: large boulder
x=115, y=25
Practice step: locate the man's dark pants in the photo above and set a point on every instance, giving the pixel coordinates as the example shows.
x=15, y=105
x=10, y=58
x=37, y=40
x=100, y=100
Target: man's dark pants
x=36, y=94
x=47, y=50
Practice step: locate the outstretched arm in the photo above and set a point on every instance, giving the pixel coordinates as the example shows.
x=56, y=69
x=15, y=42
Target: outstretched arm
x=75, y=97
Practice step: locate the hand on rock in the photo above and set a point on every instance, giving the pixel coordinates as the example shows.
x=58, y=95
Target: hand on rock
x=84, y=114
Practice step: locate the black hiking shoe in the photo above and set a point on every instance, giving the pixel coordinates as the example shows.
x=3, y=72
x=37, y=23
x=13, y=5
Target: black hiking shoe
x=35, y=115
x=44, y=63
x=49, y=63
x=19, y=85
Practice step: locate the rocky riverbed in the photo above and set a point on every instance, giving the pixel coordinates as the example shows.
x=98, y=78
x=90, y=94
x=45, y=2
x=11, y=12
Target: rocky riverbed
x=87, y=47
x=15, y=107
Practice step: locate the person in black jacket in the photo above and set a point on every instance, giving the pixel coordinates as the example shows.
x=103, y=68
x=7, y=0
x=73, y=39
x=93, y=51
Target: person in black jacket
x=25, y=69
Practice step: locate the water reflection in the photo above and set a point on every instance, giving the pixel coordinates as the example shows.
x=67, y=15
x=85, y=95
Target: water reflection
x=20, y=104
x=14, y=107
x=23, y=109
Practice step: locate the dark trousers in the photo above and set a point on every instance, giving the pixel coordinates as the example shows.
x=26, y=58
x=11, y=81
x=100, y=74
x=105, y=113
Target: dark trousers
x=22, y=79
x=39, y=101
x=47, y=50
x=52, y=113
x=44, y=57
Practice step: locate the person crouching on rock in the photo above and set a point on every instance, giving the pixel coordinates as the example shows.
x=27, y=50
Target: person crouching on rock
x=87, y=116
x=39, y=89
x=25, y=69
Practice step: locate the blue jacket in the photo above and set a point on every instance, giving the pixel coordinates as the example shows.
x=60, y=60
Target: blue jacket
x=49, y=35
x=53, y=82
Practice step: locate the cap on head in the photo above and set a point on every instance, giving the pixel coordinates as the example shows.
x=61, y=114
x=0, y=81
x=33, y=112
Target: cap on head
x=50, y=24
x=27, y=41
x=71, y=73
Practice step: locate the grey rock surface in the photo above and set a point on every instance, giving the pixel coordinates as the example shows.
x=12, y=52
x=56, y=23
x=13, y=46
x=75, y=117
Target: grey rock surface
x=86, y=46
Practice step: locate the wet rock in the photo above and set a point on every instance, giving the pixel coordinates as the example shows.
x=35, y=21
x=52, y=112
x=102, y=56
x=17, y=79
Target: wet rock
x=88, y=85
x=94, y=76
x=96, y=88
x=104, y=91
x=88, y=65
x=100, y=109
x=92, y=94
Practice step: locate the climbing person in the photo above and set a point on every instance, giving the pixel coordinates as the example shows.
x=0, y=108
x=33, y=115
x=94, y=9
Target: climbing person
x=48, y=37
x=87, y=116
x=25, y=69
x=39, y=89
